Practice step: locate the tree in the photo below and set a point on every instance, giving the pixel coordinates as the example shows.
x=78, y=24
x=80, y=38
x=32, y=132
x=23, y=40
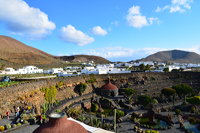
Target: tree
x=183, y=90
x=166, y=69
x=144, y=100
x=168, y=92
x=80, y=88
x=129, y=91
x=147, y=67
x=142, y=67
x=94, y=107
x=175, y=70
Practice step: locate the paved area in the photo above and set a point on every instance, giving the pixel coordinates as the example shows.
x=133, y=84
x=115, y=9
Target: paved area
x=5, y=121
x=27, y=129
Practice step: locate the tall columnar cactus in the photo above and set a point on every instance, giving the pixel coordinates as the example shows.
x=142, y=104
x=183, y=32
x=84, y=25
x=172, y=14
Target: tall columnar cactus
x=115, y=120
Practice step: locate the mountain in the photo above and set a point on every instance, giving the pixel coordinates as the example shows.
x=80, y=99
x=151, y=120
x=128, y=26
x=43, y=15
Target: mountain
x=14, y=53
x=84, y=58
x=178, y=56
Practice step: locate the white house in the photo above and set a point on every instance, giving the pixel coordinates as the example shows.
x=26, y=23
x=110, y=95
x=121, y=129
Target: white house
x=193, y=65
x=115, y=70
x=88, y=70
x=10, y=70
x=171, y=67
x=72, y=68
x=53, y=71
x=29, y=70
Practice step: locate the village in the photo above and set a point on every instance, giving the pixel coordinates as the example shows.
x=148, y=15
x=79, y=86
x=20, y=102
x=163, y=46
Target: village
x=111, y=68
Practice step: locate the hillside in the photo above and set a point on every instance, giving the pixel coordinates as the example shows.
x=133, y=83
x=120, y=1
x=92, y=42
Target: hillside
x=15, y=52
x=84, y=58
x=178, y=56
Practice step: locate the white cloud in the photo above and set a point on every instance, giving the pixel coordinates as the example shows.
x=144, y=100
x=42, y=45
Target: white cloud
x=128, y=54
x=97, y=30
x=119, y=52
x=137, y=20
x=195, y=49
x=176, y=6
x=72, y=35
x=134, y=10
x=22, y=19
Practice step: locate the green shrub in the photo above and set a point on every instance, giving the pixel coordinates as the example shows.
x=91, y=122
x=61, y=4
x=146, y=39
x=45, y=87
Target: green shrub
x=73, y=112
x=129, y=91
x=154, y=101
x=58, y=111
x=193, y=110
x=81, y=118
x=144, y=120
x=144, y=100
x=119, y=113
x=183, y=90
x=194, y=100
x=8, y=126
x=178, y=111
x=168, y=91
x=60, y=84
x=50, y=94
x=92, y=80
x=80, y=88
x=14, y=125
x=193, y=120
x=94, y=107
x=19, y=124
x=25, y=122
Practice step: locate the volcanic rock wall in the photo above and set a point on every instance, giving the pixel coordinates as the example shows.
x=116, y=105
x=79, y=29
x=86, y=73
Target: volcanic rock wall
x=148, y=83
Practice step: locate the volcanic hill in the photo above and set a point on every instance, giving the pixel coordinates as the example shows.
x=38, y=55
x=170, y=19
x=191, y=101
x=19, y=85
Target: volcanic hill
x=178, y=56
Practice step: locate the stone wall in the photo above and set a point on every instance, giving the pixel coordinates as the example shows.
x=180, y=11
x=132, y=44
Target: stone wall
x=150, y=83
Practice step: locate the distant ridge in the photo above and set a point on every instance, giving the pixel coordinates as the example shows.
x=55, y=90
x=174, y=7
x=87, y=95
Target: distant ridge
x=84, y=58
x=178, y=56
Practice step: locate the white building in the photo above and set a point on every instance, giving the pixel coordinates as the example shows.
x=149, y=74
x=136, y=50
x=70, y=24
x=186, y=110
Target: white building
x=29, y=70
x=10, y=70
x=193, y=65
x=143, y=62
x=88, y=70
x=72, y=68
x=68, y=74
x=171, y=67
x=53, y=71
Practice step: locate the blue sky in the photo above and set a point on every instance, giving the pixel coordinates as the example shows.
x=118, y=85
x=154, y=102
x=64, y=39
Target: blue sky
x=119, y=30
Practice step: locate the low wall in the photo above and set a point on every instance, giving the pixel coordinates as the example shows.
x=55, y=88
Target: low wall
x=66, y=103
x=149, y=83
